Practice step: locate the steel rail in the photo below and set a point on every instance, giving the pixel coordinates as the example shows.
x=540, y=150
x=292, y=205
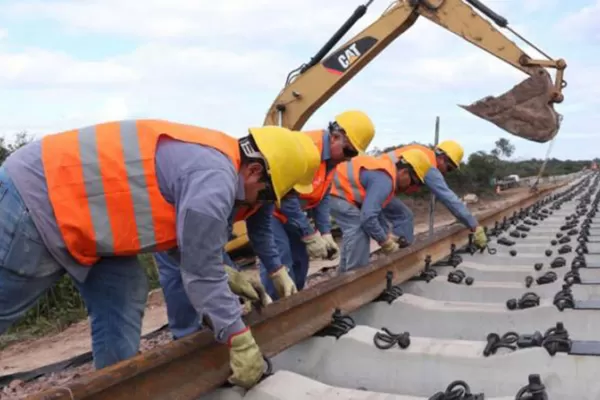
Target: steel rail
x=195, y=365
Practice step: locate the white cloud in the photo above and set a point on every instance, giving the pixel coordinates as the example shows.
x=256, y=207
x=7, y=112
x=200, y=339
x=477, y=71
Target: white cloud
x=3, y=33
x=582, y=24
x=184, y=19
x=221, y=64
x=42, y=68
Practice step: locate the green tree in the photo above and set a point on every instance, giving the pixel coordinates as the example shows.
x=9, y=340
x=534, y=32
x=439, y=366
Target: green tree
x=21, y=139
x=504, y=148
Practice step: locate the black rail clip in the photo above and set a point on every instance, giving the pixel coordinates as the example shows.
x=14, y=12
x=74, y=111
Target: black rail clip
x=387, y=339
x=535, y=390
x=528, y=300
x=564, y=298
x=391, y=291
x=457, y=390
x=340, y=325
x=453, y=260
x=428, y=273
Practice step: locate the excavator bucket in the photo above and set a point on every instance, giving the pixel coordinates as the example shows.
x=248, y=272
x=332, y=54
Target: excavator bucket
x=525, y=111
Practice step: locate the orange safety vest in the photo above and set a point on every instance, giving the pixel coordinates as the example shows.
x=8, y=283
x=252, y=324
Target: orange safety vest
x=103, y=188
x=395, y=154
x=321, y=181
x=346, y=180
x=245, y=212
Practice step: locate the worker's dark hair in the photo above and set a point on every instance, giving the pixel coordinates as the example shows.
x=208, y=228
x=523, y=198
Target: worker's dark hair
x=334, y=126
x=401, y=164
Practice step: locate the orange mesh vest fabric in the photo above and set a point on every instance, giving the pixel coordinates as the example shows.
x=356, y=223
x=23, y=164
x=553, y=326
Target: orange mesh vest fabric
x=245, y=212
x=103, y=188
x=346, y=180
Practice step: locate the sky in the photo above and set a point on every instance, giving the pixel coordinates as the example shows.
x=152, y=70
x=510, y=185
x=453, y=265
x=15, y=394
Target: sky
x=66, y=64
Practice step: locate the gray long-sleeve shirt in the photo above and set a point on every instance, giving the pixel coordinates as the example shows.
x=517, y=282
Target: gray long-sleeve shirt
x=437, y=184
x=378, y=186
x=203, y=185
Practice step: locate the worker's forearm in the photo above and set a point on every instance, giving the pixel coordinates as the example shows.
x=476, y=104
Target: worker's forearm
x=401, y=218
x=322, y=214
x=260, y=233
x=438, y=186
x=378, y=186
x=296, y=218
x=373, y=228
x=204, y=276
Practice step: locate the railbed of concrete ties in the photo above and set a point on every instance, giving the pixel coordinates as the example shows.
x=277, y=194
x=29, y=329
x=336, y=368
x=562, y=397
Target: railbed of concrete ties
x=453, y=333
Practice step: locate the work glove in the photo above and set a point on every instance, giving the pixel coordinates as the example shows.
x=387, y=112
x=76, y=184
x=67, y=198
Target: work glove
x=316, y=246
x=284, y=285
x=247, y=290
x=332, y=247
x=401, y=240
x=265, y=299
x=245, y=359
x=479, y=238
x=389, y=245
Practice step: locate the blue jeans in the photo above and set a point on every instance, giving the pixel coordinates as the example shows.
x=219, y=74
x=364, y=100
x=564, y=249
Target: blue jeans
x=356, y=243
x=181, y=314
x=114, y=292
x=292, y=251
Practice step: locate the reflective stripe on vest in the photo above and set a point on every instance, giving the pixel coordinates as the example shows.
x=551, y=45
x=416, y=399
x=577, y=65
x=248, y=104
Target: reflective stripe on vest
x=346, y=180
x=103, y=188
x=321, y=181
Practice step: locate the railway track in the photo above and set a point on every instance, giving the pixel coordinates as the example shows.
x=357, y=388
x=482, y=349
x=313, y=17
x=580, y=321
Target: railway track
x=445, y=310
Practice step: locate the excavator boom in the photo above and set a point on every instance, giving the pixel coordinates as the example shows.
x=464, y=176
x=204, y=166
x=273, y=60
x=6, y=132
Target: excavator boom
x=526, y=110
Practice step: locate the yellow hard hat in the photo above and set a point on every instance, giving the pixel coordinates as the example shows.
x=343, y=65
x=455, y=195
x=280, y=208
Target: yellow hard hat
x=453, y=150
x=358, y=127
x=418, y=161
x=313, y=158
x=288, y=158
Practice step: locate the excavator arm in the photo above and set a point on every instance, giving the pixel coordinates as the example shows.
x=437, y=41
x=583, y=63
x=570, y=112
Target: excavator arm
x=526, y=110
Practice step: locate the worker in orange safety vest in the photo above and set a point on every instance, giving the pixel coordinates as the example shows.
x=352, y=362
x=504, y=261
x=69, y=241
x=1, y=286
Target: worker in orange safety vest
x=297, y=241
x=445, y=158
x=87, y=201
x=362, y=189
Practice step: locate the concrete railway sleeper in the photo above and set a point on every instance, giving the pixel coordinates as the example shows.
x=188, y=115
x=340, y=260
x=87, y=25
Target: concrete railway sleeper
x=376, y=333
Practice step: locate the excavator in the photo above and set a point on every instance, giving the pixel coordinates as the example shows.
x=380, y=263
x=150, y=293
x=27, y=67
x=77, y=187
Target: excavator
x=526, y=111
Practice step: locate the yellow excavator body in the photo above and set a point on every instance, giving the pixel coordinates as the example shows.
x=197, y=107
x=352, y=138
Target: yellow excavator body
x=526, y=110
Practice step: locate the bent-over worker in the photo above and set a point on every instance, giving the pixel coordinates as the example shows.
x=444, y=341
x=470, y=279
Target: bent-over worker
x=87, y=201
x=445, y=158
x=348, y=135
x=362, y=189
x=183, y=320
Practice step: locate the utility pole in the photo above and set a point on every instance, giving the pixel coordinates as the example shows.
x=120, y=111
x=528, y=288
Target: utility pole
x=436, y=140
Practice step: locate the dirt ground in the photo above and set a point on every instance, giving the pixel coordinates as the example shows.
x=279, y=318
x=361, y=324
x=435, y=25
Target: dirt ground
x=75, y=340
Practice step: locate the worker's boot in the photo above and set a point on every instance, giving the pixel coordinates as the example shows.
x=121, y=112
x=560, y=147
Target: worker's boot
x=526, y=111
